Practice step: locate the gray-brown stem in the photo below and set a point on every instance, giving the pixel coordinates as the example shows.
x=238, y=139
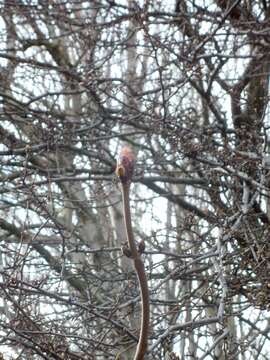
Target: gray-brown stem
x=140, y=270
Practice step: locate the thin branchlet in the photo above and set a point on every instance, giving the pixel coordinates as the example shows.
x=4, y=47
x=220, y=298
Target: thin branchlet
x=124, y=171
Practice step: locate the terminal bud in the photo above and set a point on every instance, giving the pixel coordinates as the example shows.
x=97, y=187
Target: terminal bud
x=125, y=165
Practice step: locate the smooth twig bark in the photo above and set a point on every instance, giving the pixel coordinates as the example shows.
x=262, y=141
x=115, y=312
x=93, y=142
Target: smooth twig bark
x=124, y=171
x=140, y=270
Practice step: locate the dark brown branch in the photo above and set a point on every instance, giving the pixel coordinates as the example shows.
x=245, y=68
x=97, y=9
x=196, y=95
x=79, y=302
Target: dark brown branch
x=204, y=214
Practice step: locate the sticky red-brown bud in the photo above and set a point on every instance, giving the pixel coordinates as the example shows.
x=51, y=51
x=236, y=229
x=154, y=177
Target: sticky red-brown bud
x=125, y=164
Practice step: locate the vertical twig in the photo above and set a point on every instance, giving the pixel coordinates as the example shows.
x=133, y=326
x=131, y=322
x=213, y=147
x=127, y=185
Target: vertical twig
x=124, y=172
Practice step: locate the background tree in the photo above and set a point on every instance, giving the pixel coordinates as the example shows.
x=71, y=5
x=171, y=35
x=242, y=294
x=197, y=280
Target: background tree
x=185, y=83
